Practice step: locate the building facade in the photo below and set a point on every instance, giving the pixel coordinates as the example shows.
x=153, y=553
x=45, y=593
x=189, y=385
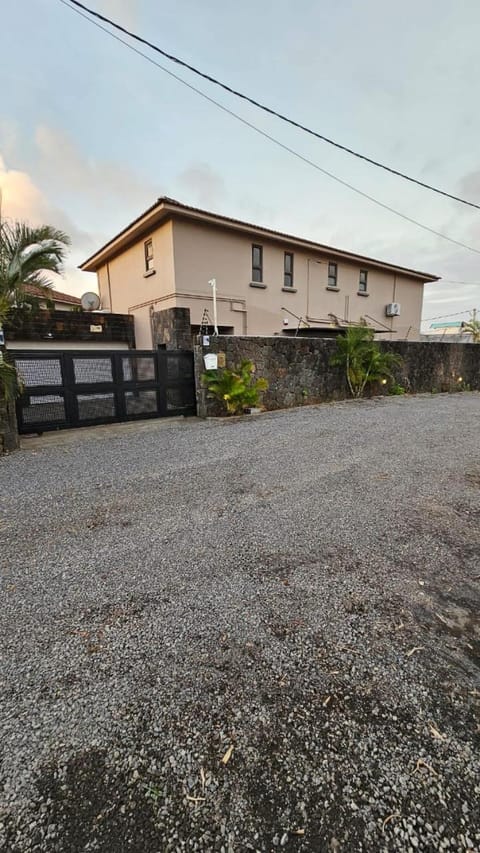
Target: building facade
x=268, y=283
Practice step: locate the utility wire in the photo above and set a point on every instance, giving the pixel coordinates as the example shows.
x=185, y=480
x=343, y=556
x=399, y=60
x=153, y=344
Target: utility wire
x=445, y=316
x=452, y=281
x=269, y=110
x=271, y=138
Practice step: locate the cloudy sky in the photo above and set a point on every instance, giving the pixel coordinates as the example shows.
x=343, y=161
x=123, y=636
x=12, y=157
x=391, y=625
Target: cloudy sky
x=91, y=133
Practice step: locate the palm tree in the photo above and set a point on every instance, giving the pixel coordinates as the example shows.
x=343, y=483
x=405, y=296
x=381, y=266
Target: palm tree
x=27, y=255
x=472, y=328
x=363, y=360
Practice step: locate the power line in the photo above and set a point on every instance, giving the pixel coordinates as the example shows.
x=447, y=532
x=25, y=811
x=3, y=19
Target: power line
x=272, y=138
x=445, y=316
x=271, y=111
x=452, y=281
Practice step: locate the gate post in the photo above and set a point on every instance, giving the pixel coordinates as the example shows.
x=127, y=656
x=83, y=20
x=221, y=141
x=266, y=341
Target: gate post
x=171, y=329
x=201, y=393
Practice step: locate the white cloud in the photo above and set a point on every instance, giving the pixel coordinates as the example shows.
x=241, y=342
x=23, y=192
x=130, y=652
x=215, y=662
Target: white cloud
x=68, y=169
x=469, y=186
x=22, y=199
x=124, y=12
x=203, y=185
x=9, y=137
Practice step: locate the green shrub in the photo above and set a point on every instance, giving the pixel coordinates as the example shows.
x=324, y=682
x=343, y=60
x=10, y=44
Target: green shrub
x=363, y=360
x=235, y=389
x=10, y=386
x=396, y=390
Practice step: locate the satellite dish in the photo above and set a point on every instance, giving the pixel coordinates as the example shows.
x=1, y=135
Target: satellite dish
x=90, y=301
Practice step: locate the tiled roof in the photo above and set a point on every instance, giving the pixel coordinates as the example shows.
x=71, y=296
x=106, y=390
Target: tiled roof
x=54, y=295
x=170, y=206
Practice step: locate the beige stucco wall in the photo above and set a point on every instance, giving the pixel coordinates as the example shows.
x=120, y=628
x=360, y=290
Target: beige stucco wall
x=125, y=289
x=203, y=252
x=187, y=254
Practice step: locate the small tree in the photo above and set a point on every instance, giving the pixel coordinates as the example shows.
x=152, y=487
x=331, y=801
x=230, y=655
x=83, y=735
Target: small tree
x=27, y=256
x=235, y=389
x=472, y=328
x=363, y=360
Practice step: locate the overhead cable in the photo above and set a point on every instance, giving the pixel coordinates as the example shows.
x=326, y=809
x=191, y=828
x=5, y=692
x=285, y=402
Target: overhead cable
x=272, y=138
x=268, y=109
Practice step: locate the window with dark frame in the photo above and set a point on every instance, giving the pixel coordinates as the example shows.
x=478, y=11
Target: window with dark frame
x=257, y=263
x=288, y=269
x=332, y=274
x=363, y=281
x=148, y=246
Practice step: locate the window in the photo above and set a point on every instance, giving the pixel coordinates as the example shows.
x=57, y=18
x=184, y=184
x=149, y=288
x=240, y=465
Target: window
x=288, y=269
x=332, y=274
x=148, y=255
x=362, y=281
x=257, y=263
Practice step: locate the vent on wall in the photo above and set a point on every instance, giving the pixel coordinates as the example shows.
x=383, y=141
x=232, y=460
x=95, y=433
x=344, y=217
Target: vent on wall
x=392, y=309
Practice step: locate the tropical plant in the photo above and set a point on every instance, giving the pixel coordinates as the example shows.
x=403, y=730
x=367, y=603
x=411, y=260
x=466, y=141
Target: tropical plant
x=472, y=327
x=27, y=256
x=10, y=385
x=363, y=360
x=236, y=389
x=396, y=390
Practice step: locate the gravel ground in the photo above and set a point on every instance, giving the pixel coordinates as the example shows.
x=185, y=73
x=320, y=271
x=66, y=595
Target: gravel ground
x=295, y=593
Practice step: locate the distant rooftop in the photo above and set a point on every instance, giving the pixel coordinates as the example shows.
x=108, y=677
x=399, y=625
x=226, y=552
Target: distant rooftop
x=54, y=295
x=454, y=324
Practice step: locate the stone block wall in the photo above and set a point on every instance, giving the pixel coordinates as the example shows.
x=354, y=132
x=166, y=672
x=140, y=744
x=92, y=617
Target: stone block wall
x=298, y=370
x=171, y=328
x=8, y=427
x=434, y=366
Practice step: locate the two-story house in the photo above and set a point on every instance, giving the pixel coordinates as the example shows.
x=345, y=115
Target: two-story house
x=266, y=280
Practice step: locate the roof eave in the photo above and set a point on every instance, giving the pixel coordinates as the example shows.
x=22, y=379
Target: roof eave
x=165, y=208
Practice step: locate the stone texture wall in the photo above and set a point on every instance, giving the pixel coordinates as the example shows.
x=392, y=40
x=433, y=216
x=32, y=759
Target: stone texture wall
x=171, y=328
x=8, y=427
x=437, y=366
x=298, y=369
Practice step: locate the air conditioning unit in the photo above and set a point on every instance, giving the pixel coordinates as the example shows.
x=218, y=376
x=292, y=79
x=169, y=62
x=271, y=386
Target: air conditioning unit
x=392, y=309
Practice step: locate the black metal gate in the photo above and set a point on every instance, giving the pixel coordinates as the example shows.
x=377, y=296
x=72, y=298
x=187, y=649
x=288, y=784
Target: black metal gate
x=64, y=389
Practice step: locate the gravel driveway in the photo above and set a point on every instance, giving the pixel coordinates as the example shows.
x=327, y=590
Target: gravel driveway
x=254, y=634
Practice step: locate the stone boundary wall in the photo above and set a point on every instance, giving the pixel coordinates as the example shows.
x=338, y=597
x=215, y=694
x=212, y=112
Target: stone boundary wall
x=8, y=427
x=298, y=370
x=171, y=328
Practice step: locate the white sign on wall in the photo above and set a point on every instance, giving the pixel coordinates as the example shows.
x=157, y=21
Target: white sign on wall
x=211, y=361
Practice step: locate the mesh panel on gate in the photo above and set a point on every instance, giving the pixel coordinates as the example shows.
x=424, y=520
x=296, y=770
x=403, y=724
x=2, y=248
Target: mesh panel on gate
x=138, y=368
x=94, y=406
x=41, y=371
x=141, y=402
x=93, y=369
x=179, y=366
x=42, y=409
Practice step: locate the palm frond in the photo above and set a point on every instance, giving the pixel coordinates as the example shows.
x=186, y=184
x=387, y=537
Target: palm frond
x=27, y=256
